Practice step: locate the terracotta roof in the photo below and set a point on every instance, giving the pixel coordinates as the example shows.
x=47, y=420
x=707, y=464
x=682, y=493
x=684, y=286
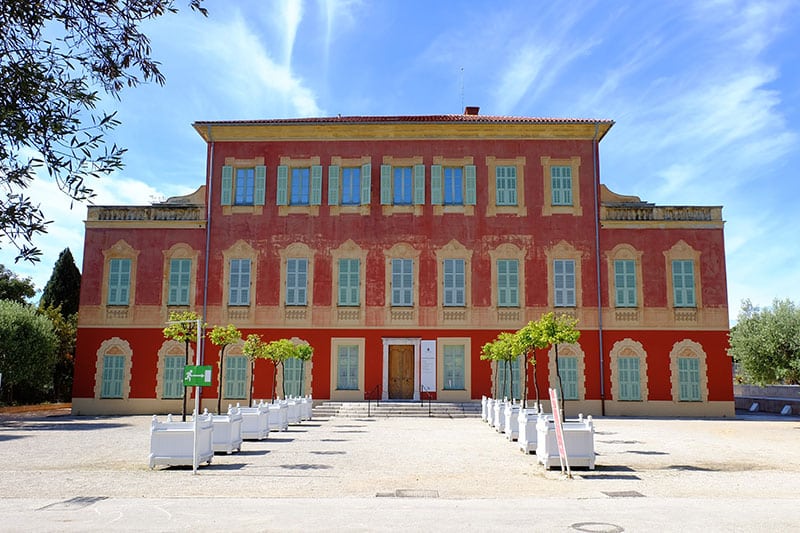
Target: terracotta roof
x=488, y=119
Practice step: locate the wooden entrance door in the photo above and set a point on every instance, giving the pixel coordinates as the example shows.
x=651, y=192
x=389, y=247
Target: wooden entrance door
x=401, y=372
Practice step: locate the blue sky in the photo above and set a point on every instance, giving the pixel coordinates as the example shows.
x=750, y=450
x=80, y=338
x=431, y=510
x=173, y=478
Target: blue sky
x=705, y=97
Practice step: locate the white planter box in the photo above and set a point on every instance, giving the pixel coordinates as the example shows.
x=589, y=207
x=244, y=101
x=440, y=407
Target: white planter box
x=490, y=411
x=578, y=441
x=255, y=422
x=511, y=415
x=293, y=411
x=306, y=408
x=484, y=414
x=172, y=443
x=278, y=420
x=228, y=431
x=526, y=426
x=499, y=417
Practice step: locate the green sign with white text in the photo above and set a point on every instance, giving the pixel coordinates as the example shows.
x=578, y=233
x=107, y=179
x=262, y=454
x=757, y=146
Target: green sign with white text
x=196, y=376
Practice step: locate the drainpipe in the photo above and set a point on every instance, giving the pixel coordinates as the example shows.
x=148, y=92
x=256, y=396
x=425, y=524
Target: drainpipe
x=597, y=268
x=209, y=181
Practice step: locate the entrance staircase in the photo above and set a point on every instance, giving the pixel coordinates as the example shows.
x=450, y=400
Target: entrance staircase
x=384, y=409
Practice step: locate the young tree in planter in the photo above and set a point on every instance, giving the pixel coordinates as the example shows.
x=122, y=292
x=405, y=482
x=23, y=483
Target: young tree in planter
x=527, y=339
x=303, y=351
x=254, y=348
x=278, y=352
x=223, y=336
x=182, y=327
x=507, y=353
x=489, y=353
x=557, y=330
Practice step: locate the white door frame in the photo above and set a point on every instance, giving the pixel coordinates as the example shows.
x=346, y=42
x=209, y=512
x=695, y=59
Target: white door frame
x=391, y=341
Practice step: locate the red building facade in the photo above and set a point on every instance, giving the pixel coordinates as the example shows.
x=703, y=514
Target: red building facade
x=397, y=247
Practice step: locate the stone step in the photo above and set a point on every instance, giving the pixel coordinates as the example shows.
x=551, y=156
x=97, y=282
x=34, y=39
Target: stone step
x=398, y=409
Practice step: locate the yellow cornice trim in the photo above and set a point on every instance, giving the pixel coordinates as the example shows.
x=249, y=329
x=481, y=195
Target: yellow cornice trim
x=146, y=224
x=662, y=224
x=394, y=131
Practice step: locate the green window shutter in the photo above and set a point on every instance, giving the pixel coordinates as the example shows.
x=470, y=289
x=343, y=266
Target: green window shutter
x=119, y=279
x=689, y=379
x=316, y=185
x=173, y=376
x=366, y=183
x=113, y=375
x=283, y=186
x=470, y=182
x=236, y=376
x=227, y=185
x=419, y=184
x=347, y=368
x=333, y=185
x=629, y=386
x=386, y=184
x=436, y=185
x=453, y=364
x=260, y=185
x=568, y=368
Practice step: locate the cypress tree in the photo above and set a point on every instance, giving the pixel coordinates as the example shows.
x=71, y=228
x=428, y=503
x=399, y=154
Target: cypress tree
x=64, y=286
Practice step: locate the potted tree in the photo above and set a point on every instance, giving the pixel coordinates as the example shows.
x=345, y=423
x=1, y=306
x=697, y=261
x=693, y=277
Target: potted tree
x=182, y=327
x=224, y=336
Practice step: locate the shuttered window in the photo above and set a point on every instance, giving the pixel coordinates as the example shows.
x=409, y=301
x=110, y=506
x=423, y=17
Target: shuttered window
x=629, y=379
x=689, y=379
x=296, y=281
x=347, y=368
x=173, y=376
x=561, y=185
x=453, y=364
x=402, y=282
x=625, y=282
x=179, y=278
x=239, y=283
x=292, y=376
x=119, y=281
x=236, y=377
x=683, y=283
x=113, y=376
x=454, y=282
x=506, y=185
x=349, y=282
x=568, y=369
x=564, y=282
x=508, y=283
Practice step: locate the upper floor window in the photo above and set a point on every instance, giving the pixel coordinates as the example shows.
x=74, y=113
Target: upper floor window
x=625, y=282
x=453, y=185
x=507, y=283
x=119, y=280
x=561, y=180
x=296, y=281
x=564, y=282
x=180, y=272
x=349, y=182
x=506, y=185
x=683, y=283
x=349, y=282
x=402, y=282
x=454, y=282
x=402, y=185
x=299, y=186
x=243, y=185
x=239, y=283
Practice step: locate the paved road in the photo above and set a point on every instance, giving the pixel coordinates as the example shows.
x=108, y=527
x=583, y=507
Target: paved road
x=64, y=473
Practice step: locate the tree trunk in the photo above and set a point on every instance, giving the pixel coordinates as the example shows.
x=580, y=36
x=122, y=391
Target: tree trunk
x=274, y=380
x=252, y=381
x=511, y=380
x=560, y=386
x=524, y=400
x=185, y=388
x=302, y=378
x=496, y=378
x=219, y=376
x=536, y=386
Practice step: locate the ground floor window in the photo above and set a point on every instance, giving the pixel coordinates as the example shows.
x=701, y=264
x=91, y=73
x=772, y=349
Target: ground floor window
x=689, y=379
x=568, y=369
x=173, y=376
x=292, y=377
x=113, y=374
x=508, y=378
x=454, y=367
x=347, y=364
x=629, y=379
x=236, y=377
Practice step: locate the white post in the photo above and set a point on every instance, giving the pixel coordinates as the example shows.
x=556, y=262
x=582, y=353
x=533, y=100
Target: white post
x=196, y=403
